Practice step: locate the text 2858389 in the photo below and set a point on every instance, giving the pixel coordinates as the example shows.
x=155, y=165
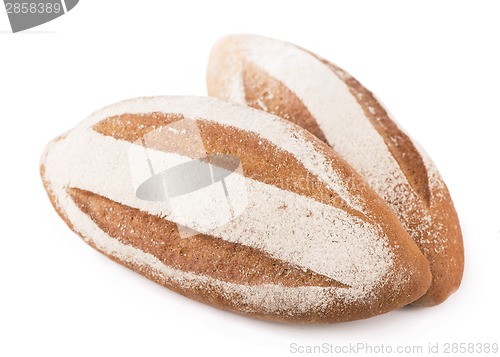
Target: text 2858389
x=33, y=8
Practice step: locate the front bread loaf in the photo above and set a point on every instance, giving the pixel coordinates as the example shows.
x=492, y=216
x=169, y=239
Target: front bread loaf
x=233, y=207
x=297, y=85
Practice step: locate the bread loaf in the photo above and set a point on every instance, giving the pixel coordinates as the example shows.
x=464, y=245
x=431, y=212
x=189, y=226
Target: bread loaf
x=282, y=230
x=297, y=85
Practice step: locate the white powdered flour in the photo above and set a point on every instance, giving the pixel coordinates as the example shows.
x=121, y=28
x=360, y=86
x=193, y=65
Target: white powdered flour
x=343, y=122
x=287, y=226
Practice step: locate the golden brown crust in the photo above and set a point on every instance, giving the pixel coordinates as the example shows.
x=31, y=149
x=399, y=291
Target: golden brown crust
x=431, y=219
x=260, y=159
x=266, y=93
x=340, y=312
x=442, y=241
x=231, y=263
x=200, y=254
x=399, y=144
x=445, y=250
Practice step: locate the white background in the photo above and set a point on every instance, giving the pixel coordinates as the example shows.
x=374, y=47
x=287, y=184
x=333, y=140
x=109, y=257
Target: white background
x=434, y=64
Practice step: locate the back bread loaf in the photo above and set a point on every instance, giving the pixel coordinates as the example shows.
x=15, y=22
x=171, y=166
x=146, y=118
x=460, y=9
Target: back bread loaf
x=279, y=228
x=297, y=85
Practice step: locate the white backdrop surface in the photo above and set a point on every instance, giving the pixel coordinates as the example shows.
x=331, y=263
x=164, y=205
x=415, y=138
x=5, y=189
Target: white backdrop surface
x=434, y=64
